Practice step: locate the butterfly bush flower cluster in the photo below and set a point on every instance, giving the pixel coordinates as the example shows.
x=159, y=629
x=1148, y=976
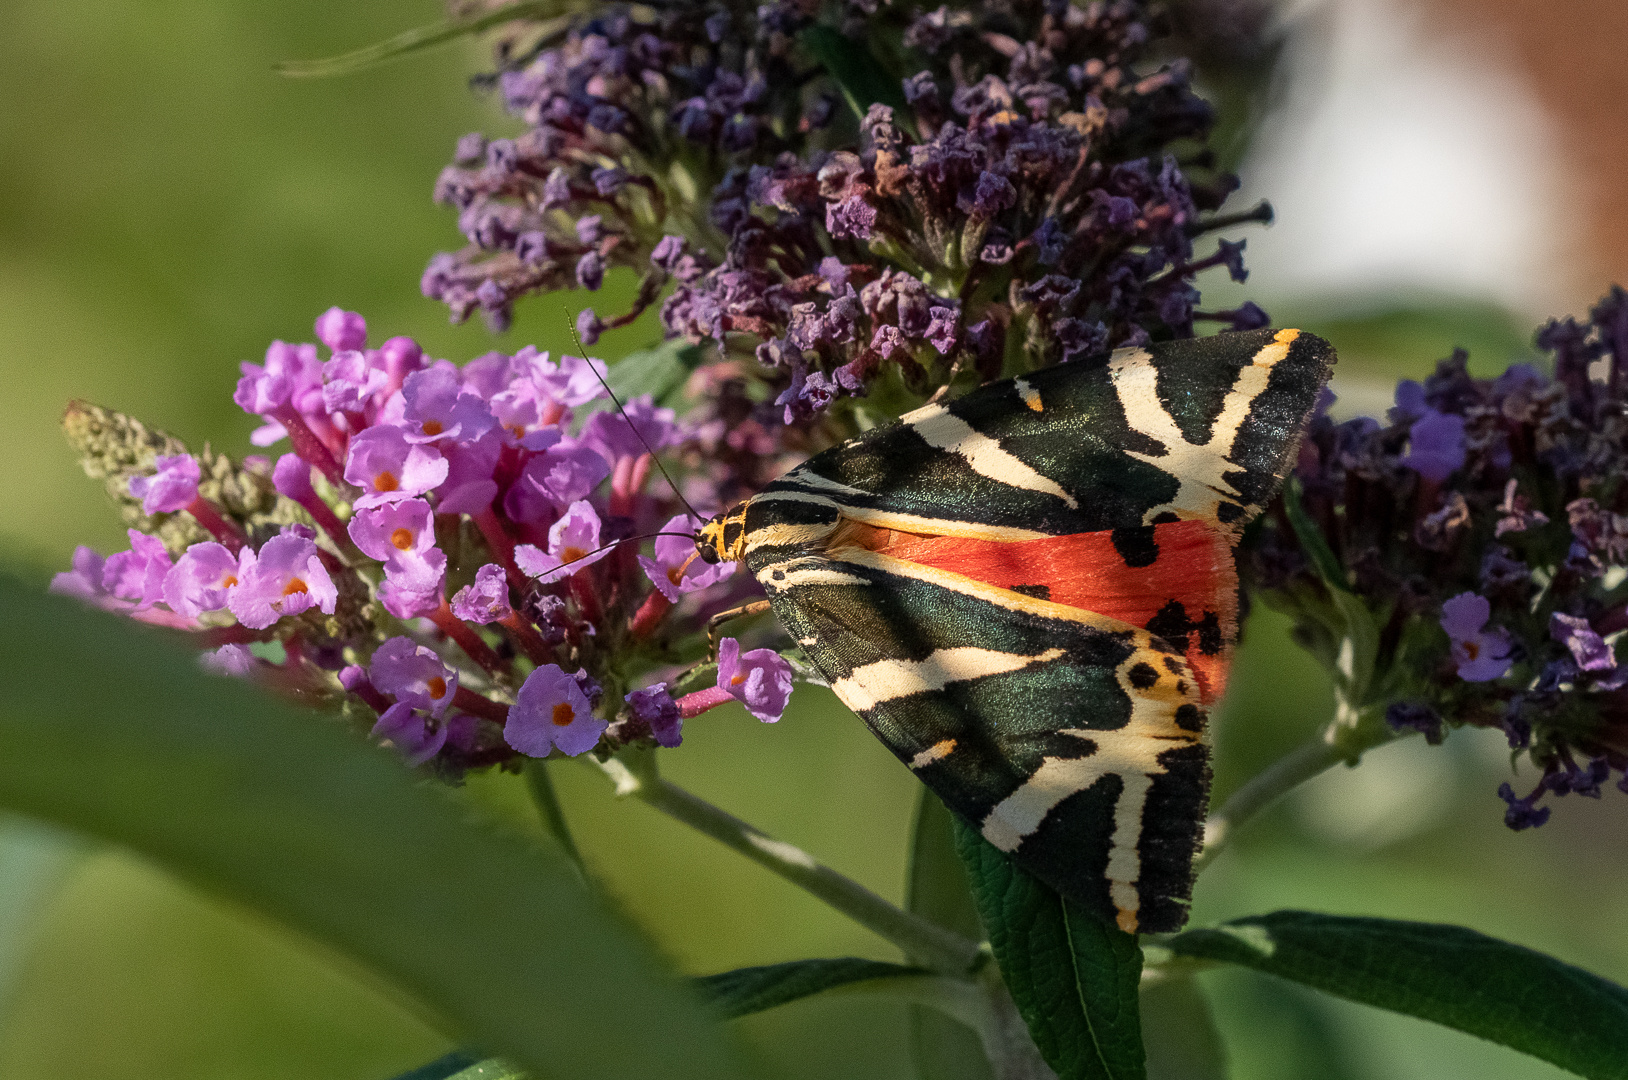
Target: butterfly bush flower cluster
x=1008, y=195
x=1485, y=528
x=436, y=544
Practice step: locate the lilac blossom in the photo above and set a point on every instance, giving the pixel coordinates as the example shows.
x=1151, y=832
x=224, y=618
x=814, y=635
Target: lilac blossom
x=555, y=479
x=389, y=469
x=138, y=575
x=285, y=577
x=395, y=532
x=573, y=545
x=203, y=577
x=469, y=486
x=435, y=407
x=551, y=711
x=1481, y=654
x=676, y=570
x=759, y=679
x=172, y=487
x=414, y=675
x=1436, y=446
x=341, y=330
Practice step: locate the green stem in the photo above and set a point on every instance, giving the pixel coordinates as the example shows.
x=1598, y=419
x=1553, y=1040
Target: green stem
x=547, y=801
x=925, y=943
x=1339, y=742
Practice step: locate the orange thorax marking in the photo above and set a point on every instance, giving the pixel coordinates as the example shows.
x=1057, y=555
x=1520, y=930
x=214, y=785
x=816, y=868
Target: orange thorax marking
x=1085, y=571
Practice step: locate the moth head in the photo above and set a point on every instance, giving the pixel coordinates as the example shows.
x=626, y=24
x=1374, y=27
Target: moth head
x=723, y=538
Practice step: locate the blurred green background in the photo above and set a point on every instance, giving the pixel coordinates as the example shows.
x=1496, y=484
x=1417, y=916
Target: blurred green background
x=168, y=206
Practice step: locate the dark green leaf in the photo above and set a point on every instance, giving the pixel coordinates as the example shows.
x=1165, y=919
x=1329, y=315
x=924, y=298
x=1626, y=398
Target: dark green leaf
x=112, y=730
x=1073, y=975
x=1457, y=977
x=749, y=990
x=424, y=37
x=1180, y=1035
x=863, y=80
x=937, y=889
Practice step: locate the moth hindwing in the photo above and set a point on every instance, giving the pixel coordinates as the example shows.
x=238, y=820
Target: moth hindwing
x=1029, y=595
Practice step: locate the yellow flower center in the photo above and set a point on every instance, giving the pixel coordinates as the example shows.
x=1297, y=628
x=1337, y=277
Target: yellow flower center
x=563, y=715
x=402, y=538
x=386, y=481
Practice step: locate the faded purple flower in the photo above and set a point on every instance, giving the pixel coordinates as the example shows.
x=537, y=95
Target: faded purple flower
x=654, y=706
x=1481, y=655
x=760, y=679
x=435, y=406
x=486, y=600
x=171, y=488
x=233, y=660
x=552, y=711
x=1587, y=647
x=1416, y=716
x=1523, y=813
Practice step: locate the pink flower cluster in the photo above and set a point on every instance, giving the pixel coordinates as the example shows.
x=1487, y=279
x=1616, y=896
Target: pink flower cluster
x=474, y=511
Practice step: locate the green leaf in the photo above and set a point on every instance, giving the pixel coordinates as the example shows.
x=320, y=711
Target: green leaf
x=937, y=889
x=463, y=1065
x=1179, y=1032
x=1457, y=977
x=862, y=79
x=750, y=990
x=111, y=729
x=424, y=37
x=659, y=371
x=1073, y=975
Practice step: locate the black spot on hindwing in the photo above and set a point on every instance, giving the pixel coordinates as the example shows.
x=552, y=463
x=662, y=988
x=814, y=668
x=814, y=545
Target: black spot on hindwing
x=1136, y=545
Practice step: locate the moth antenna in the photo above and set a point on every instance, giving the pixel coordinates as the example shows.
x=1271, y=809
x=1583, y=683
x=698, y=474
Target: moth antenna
x=624, y=540
x=655, y=457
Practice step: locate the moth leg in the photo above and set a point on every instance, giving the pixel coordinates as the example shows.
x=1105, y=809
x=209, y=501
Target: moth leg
x=756, y=607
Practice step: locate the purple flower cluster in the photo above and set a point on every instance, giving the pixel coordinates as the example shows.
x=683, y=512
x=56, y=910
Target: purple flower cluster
x=1486, y=528
x=504, y=485
x=1011, y=201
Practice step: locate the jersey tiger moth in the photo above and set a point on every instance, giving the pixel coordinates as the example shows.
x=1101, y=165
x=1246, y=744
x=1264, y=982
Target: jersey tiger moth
x=1029, y=594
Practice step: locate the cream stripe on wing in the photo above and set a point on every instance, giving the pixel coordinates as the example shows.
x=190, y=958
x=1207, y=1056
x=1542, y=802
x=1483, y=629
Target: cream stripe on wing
x=1201, y=468
x=884, y=680
x=1130, y=753
x=944, y=430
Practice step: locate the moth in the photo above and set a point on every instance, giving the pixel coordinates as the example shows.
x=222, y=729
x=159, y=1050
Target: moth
x=1029, y=595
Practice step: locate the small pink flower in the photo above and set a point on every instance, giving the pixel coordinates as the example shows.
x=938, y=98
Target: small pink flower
x=137, y=575
x=341, y=330
x=487, y=600
x=388, y=469
x=171, y=488
x=437, y=407
x=285, y=577
x=573, y=545
x=203, y=578
x=677, y=569
x=760, y=679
